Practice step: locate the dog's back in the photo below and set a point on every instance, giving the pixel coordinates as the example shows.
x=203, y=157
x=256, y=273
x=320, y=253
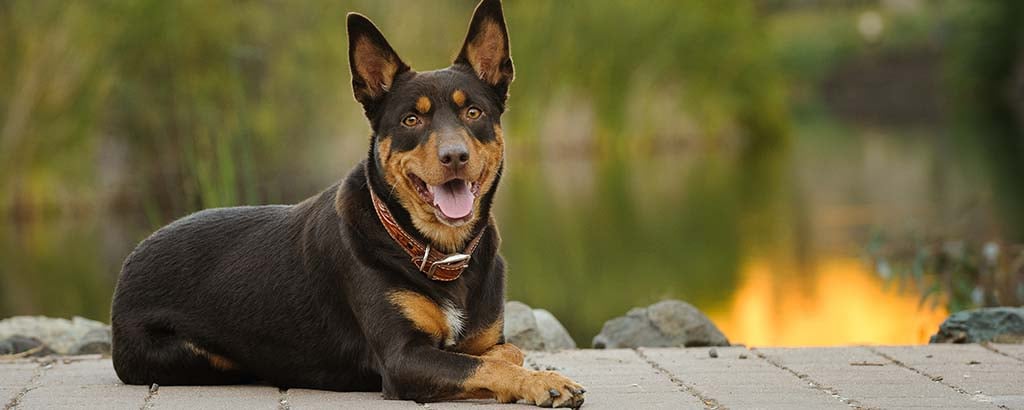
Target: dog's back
x=233, y=280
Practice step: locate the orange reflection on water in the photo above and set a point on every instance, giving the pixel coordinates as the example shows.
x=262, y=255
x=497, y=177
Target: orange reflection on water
x=843, y=303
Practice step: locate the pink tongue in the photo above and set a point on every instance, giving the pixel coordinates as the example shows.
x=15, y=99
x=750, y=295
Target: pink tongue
x=454, y=198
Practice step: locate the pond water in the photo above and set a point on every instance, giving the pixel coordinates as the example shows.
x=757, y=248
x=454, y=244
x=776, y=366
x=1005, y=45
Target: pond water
x=771, y=246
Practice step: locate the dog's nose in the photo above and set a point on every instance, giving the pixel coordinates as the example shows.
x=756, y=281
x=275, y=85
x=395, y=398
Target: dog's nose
x=453, y=156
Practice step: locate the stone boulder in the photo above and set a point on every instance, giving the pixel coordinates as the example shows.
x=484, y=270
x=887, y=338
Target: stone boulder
x=535, y=329
x=999, y=324
x=97, y=341
x=60, y=335
x=669, y=323
x=23, y=346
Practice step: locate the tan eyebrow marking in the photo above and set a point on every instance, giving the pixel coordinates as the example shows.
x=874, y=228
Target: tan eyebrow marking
x=423, y=105
x=459, y=97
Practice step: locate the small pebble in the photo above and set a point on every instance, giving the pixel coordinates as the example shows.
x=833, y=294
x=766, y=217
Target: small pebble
x=973, y=362
x=713, y=353
x=928, y=356
x=937, y=379
x=743, y=356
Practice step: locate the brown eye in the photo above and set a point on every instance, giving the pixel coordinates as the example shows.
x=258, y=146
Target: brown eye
x=410, y=121
x=473, y=113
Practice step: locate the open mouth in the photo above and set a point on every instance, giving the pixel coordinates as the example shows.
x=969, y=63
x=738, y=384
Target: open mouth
x=452, y=199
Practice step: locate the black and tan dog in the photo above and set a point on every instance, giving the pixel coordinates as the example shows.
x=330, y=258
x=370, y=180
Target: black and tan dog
x=389, y=280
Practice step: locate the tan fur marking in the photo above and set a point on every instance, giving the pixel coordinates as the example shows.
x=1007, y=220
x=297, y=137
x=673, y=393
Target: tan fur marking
x=377, y=70
x=507, y=383
x=216, y=360
x=483, y=340
x=384, y=150
x=424, y=314
x=490, y=156
x=459, y=97
x=507, y=352
x=423, y=104
x=486, y=52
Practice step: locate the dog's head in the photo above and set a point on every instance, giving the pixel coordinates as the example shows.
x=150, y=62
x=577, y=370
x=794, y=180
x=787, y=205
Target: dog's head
x=437, y=137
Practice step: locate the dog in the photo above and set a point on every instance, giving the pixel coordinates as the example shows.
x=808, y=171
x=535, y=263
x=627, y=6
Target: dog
x=389, y=281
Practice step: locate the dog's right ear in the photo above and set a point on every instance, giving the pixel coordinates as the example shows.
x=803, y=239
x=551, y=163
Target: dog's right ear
x=373, y=62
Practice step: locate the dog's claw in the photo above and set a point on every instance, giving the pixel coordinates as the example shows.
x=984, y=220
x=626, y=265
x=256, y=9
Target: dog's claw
x=554, y=393
x=547, y=403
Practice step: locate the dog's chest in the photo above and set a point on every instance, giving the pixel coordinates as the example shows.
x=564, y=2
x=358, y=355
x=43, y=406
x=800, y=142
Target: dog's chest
x=455, y=318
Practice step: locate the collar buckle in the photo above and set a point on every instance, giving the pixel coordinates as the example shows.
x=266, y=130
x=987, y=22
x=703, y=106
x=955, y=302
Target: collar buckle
x=451, y=262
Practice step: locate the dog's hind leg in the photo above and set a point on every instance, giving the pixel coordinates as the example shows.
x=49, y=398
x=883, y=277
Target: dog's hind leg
x=146, y=355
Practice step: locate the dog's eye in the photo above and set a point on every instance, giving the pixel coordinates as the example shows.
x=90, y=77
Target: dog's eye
x=473, y=113
x=410, y=121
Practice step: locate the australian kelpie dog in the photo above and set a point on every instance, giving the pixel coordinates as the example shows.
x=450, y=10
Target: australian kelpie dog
x=390, y=280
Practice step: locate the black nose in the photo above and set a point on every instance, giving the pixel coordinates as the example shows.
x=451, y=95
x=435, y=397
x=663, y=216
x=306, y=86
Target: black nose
x=453, y=156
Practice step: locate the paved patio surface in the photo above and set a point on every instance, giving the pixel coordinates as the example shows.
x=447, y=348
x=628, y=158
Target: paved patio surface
x=898, y=377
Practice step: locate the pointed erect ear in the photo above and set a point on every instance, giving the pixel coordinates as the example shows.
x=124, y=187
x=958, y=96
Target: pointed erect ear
x=486, y=48
x=373, y=62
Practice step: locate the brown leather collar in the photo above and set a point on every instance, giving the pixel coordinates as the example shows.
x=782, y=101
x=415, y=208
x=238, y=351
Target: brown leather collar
x=436, y=265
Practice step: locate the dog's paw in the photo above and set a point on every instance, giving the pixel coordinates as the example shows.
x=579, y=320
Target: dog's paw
x=507, y=352
x=550, y=389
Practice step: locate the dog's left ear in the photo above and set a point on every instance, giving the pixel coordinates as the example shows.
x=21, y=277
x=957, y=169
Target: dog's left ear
x=486, y=48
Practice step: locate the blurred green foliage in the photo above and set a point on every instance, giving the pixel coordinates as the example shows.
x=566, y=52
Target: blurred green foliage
x=219, y=103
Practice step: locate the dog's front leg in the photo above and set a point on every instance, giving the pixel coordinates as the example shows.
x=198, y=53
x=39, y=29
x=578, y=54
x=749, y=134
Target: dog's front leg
x=426, y=373
x=406, y=334
x=507, y=352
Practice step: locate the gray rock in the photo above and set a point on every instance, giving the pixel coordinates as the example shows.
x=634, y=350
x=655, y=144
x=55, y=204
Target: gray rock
x=97, y=341
x=521, y=327
x=61, y=335
x=669, y=323
x=552, y=332
x=534, y=329
x=25, y=346
x=1000, y=325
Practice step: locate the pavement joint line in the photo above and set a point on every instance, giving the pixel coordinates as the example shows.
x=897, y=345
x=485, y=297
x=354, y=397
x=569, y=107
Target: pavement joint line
x=44, y=365
x=933, y=378
x=282, y=400
x=709, y=402
x=993, y=349
x=147, y=403
x=831, y=391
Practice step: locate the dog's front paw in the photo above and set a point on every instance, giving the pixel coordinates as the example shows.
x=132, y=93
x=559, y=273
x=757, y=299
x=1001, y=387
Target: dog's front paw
x=550, y=389
x=507, y=352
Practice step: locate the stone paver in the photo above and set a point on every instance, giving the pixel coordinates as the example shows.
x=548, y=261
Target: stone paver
x=977, y=371
x=618, y=379
x=14, y=377
x=217, y=397
x=1012, y=350
x=866, y=379
x=318, y=399
x=741, y=383
x=936, y=376
x=89, y=384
